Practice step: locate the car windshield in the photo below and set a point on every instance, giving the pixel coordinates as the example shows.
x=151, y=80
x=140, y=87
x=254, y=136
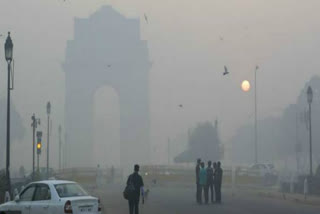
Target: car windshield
x=70, y=190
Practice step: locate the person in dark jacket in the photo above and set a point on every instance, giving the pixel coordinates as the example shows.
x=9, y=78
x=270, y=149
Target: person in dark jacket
x=137, y=182
x=210, y=174
x=214, y=178
x=198, y=194
x=218, y=182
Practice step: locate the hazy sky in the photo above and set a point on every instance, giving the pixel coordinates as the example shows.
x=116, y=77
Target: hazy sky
x=187, y=52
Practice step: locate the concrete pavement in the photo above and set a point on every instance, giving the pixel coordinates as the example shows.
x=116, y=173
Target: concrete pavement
x=181, y=200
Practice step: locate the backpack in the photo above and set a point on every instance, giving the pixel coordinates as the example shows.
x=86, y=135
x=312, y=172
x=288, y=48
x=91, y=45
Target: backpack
x=129, y=191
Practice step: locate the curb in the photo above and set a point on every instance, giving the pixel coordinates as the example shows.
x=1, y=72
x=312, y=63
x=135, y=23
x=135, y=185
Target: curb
x=310, y=200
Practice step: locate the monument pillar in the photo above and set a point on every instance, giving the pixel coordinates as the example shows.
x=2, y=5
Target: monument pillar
x=107, y=50
x=79, y=124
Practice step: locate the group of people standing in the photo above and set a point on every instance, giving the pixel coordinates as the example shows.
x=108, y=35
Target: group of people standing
x=208, y=179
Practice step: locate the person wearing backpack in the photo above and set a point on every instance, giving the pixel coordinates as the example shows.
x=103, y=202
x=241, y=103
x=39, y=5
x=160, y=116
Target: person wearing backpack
x=133, y=190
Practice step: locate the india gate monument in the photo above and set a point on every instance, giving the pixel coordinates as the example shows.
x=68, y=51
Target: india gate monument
x=107, y=50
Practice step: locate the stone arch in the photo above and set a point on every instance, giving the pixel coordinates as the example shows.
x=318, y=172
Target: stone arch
x=106, y=127
x=107, y=50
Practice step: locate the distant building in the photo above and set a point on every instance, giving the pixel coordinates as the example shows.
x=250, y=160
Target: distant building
x=204, y=143
x=284, y=139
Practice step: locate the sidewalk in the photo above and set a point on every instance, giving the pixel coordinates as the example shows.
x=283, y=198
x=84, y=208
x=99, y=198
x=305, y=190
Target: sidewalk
x=275, y=194
x=297, y=198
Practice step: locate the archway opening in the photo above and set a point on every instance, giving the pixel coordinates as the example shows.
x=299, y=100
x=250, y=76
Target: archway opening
x=106, y=127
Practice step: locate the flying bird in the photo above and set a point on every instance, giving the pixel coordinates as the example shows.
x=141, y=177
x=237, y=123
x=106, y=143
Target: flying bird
x=146, y=18
x=225, y=71
x=181, y=106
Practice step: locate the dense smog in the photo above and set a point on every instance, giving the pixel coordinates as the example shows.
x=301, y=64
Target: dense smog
x=149, y=106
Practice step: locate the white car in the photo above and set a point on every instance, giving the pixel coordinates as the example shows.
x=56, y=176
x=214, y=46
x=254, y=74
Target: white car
x=261, y=170
x=52, y=197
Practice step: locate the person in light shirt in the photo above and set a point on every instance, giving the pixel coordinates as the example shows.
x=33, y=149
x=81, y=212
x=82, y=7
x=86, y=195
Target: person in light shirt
x=203, y=182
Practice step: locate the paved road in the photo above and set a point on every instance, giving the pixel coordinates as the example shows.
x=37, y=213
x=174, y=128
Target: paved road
x=180, y=200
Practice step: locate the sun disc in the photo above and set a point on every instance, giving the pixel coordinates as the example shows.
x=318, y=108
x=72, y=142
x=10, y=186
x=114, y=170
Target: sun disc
x=245, y=85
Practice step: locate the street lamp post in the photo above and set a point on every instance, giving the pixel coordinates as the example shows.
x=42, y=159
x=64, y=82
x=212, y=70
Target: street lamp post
x=168, y=151
x=48, y=134
x=34, y=124
x=310, y=97
x=255, y=118
x=8, y=47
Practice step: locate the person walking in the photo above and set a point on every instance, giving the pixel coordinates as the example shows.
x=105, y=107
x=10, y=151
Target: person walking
x=98, y=177
x=136, y=180
x=198, y=193
x=218, y=182
x=112, y=173
x=203, y=183
x=210, y=174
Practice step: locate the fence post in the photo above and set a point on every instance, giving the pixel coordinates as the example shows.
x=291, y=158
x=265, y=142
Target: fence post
x=292, y=184
x=305, y=188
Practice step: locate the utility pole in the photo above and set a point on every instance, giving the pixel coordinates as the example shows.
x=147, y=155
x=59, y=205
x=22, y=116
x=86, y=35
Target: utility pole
x=60, y=142
x=65, y=149
x=310, y=97
x=298, y=146
x=48, y=136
